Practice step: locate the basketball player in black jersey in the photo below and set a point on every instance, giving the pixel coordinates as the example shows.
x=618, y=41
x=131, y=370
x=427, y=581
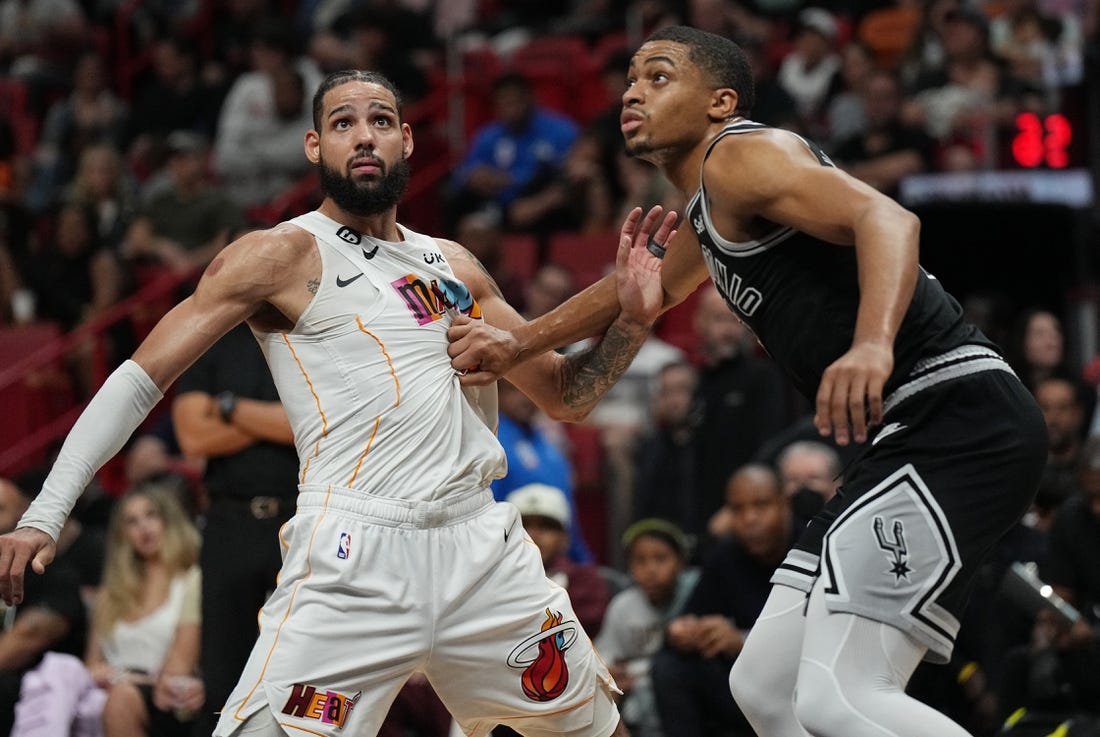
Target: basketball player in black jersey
x=824, y=270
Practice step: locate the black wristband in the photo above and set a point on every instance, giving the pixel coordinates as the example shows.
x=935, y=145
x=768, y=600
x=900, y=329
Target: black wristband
x=227, y=402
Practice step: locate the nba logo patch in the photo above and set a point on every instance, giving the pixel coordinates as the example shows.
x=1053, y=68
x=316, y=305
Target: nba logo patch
x=343, y=550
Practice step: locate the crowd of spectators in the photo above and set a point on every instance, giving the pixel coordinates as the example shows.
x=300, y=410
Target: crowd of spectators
x=138, y=139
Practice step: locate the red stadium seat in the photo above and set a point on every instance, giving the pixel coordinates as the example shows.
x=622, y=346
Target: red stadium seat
x=608, y=45
x=14, y=108
x=520, y=255
x=587, y=255
x=44, y=394
x=560, y=69
x=480, y=67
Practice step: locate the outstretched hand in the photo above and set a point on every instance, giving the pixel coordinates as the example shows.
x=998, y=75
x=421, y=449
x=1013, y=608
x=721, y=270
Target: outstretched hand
x=481, y=353
x=638, y=263
x=17, y=548
x=849, y=399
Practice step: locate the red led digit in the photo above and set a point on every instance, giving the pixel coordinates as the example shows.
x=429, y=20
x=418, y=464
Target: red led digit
x=1027, y=146
x=1057, y=140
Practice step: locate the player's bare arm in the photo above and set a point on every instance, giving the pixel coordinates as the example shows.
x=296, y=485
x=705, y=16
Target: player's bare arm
x=781, y=181
x=569, y=387
x=487, y=353
x=262, y=277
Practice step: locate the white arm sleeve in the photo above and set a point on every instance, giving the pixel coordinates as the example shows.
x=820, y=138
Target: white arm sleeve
x=103, y=428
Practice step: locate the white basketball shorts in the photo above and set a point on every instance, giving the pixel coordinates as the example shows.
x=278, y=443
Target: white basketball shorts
x=372, y=590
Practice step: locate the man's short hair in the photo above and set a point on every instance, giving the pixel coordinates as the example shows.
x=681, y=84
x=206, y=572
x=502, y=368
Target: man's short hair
x=352, y=75
x=722, y=61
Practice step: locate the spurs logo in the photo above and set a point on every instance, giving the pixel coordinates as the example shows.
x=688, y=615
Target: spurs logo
x=895, y=547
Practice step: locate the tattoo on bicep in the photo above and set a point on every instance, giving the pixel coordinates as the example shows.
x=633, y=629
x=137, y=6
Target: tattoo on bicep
x=312, y=285
x=586, y=376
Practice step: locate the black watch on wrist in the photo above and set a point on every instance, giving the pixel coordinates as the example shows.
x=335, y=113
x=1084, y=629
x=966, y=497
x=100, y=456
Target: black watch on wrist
x=227, y=402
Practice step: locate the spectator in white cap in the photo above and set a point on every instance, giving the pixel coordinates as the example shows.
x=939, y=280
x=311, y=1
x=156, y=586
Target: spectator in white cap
x=546, y=518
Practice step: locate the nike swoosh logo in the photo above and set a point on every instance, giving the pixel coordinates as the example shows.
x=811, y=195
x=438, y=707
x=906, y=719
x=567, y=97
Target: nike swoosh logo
x=369, y=256
x=344, y=282
x=889, y=429
x=507, y=531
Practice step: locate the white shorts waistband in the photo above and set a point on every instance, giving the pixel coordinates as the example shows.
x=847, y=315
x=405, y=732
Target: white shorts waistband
x=394, y=512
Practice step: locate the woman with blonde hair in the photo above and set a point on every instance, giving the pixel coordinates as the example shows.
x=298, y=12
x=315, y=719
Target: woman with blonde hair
x=144, y=644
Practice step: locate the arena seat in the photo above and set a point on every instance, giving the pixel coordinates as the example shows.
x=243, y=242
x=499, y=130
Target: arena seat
x=561, y=71
x=587, y=255
x=39, y=397
x=14, y=108
x=519, y=253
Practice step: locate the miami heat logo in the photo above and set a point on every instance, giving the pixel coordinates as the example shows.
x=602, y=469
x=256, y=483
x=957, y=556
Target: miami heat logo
x=542, y=657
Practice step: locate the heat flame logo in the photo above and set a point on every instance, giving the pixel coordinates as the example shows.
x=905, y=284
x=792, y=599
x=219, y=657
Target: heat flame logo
x=542, y=657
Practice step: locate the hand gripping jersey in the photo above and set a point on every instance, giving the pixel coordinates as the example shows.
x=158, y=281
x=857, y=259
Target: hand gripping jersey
x=800, y=295
x=365, y=377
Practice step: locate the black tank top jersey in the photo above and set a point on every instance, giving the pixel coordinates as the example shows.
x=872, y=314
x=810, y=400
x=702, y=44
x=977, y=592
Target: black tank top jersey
x=800, y=294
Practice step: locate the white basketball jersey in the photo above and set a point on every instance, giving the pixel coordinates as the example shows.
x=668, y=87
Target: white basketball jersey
x=365, y=377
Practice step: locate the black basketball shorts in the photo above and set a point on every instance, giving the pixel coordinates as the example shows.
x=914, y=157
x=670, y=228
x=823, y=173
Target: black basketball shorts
x=951, y=470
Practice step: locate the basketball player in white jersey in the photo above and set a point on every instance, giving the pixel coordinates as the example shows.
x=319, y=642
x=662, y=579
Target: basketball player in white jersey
x=398, y=560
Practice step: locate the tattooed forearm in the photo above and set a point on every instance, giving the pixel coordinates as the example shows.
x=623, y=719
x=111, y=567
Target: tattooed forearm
x=312, y=285
x=586, y=376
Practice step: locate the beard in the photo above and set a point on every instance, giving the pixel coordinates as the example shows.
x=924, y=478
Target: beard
x=365, y=197
x=638, y=149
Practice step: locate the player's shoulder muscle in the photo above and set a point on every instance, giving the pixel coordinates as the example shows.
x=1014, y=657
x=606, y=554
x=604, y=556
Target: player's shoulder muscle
x=748, y=169
x=258, y=263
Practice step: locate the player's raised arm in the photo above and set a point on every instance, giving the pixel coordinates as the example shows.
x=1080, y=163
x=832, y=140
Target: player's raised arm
x=485, y=353
x=568, y=388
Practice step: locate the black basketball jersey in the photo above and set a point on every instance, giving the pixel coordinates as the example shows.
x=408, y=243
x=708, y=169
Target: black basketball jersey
x=800, y=294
